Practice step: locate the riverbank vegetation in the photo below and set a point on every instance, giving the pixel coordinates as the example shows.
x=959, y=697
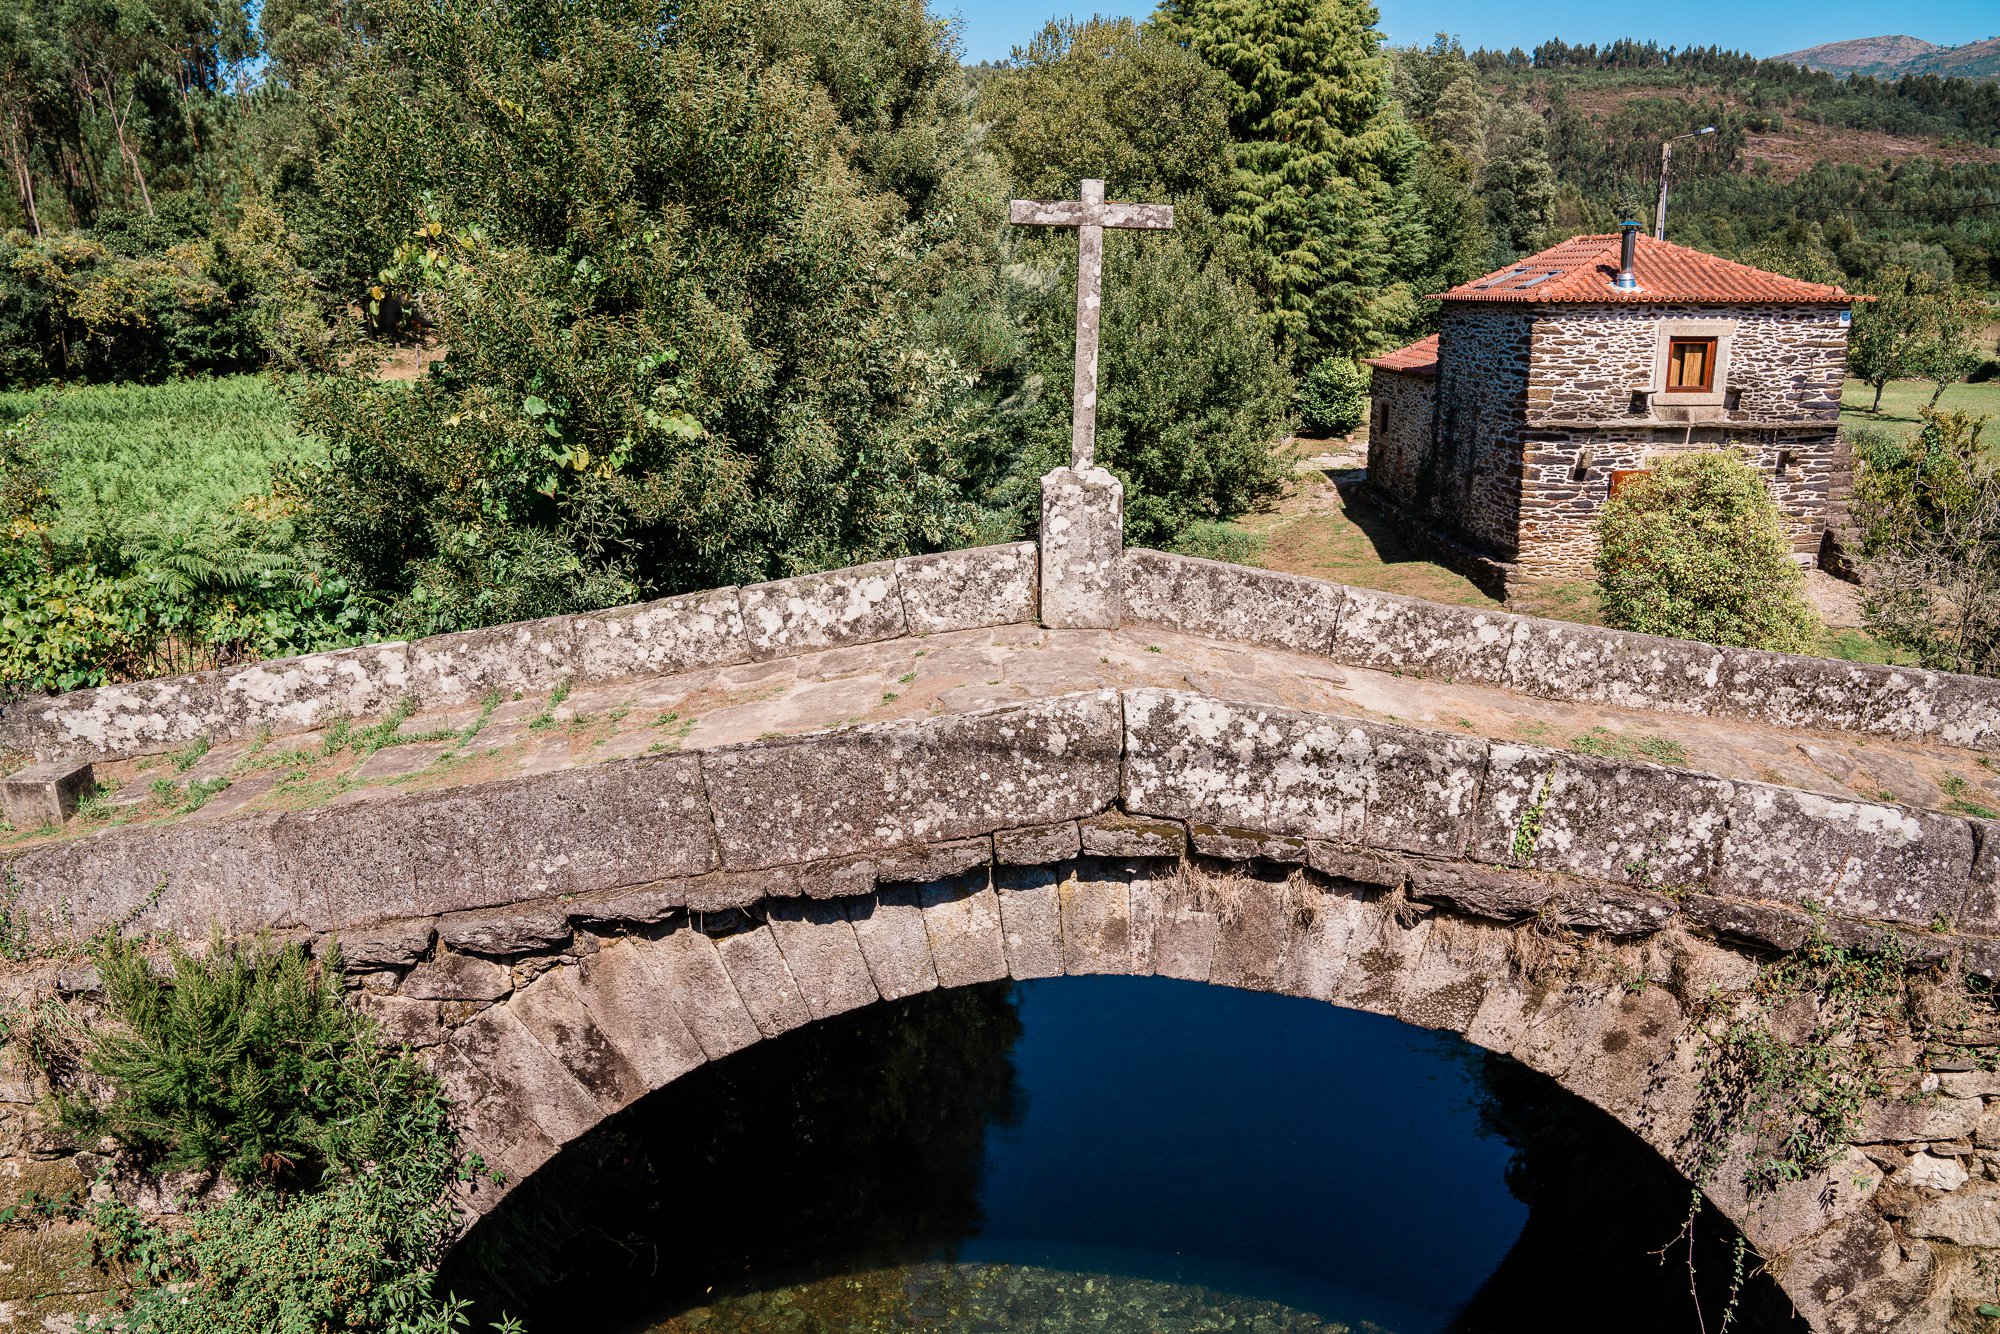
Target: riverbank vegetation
x=317, y=1162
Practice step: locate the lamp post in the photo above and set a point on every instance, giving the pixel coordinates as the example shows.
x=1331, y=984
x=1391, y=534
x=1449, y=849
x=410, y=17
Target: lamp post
x=1666, y=167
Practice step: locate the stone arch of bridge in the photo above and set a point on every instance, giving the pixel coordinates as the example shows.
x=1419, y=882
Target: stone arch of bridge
x=628, y=1014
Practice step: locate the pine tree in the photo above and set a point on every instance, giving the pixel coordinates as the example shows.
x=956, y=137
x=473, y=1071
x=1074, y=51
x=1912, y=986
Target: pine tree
x=1323, y=188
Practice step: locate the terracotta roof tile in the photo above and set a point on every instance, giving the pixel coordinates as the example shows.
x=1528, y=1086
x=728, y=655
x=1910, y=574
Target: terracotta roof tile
x=1583, y=267
x=1419, y=358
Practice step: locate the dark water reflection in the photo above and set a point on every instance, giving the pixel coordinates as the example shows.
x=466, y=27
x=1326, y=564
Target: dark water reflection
x=1107, y=1154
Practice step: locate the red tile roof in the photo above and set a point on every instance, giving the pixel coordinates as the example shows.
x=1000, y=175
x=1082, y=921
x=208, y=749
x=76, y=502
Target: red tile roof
x=1419, y=358
x=1583, y=267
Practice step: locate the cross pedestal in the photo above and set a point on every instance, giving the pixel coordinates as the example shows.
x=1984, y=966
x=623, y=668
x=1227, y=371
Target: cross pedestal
x=1083, y=506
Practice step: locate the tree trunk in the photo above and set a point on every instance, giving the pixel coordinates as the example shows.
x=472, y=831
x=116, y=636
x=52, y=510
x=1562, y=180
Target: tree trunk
x=131, y=157
x=1938, y=392
x=1876, y=406
x=24, y=178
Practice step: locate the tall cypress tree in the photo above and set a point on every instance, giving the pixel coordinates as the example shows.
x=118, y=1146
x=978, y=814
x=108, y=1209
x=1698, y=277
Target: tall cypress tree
x=1323, y=187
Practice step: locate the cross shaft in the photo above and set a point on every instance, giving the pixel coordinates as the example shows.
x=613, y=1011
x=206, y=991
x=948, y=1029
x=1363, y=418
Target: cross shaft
x=1090, y=215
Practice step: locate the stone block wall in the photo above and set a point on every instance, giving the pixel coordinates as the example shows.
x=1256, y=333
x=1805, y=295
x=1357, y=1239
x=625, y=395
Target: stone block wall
x=1399, y=431
x=917, y=595
x=1467, y=484
x=1784, y=363
x=1534, y=409
x=1561, y=500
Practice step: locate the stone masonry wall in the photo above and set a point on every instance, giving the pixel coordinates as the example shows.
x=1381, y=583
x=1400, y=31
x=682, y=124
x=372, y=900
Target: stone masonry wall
x=1780, y=382
x=1399, y=432
x=1561, y=500
x=1786, y=362
x=1468, y=482
x=918, y=595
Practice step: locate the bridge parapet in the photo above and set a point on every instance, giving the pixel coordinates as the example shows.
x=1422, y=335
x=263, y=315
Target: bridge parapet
x=917, y=595
x=993, y=586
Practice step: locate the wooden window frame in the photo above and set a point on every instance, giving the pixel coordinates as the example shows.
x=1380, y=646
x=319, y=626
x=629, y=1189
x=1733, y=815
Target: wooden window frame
x=1712, y=348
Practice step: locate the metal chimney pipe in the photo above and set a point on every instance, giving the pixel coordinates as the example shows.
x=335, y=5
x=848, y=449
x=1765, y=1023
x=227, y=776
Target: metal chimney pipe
x=1628, y=245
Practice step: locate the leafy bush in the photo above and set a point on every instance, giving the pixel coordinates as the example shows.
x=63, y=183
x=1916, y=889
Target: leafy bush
x=74, y=307
x=1696, y=549
x=1333, y=398
x=1929, y=512
x=712, y=290
x=249, y=1061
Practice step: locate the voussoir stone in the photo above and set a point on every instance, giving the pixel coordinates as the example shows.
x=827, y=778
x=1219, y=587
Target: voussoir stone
x=457, y=977
x=1194, y=758
x=388, y=945
x=887, y=785
x=1116, y=834
x=517, y=928
x=1037, y=845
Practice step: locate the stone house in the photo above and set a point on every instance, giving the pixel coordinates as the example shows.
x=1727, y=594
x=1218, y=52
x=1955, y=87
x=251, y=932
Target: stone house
x=1553, y=379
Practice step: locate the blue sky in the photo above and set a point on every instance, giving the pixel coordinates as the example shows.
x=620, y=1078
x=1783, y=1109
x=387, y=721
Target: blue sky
x=992, y=27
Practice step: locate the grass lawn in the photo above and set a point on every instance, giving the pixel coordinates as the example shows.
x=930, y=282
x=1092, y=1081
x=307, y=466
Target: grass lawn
x=1327, y=529
x=167, y=457
x=1901, y=400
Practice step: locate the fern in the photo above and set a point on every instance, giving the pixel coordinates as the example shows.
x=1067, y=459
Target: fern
x=246, y=1061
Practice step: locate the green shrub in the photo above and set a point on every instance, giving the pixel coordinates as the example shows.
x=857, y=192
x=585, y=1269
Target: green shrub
x=1221, y=541
x=1333, y=398
x=249, y=1061
x=1929, y=514
x=1696, y=549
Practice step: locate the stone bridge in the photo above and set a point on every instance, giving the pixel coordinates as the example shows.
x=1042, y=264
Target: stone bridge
x=573, y=859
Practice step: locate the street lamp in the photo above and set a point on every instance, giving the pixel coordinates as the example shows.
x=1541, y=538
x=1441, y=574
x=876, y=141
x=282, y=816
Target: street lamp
x=1666, y=166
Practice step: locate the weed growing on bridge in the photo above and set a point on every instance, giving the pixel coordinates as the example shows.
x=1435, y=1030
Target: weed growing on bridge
x=1789, y=1071
x=1958, y=789
x=249, y=1062
x=189, y=755
x=1528, y=829
x=1629, y=746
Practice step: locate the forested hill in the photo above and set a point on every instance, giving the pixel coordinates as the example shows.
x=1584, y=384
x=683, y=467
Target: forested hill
x=1818, y=175
x=1888, y=57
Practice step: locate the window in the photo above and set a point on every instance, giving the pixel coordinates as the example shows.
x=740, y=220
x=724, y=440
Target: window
x=1690, y=365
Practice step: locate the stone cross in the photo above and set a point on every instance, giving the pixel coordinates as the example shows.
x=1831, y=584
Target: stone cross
x=1090, y=215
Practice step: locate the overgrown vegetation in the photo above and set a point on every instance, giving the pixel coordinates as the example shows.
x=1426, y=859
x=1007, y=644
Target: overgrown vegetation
x=1929, y=515
x=248, y=1062
x=1696, y=549
x=1786, y=1078
x=135, y=540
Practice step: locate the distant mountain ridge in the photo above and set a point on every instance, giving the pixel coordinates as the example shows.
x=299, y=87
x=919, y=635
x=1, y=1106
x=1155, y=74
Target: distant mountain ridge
x=1890, y=56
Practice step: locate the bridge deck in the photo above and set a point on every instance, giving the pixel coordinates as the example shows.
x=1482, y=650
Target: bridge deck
x=915, y=677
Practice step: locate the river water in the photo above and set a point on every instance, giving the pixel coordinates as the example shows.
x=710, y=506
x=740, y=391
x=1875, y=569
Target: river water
x=1119, y=1155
